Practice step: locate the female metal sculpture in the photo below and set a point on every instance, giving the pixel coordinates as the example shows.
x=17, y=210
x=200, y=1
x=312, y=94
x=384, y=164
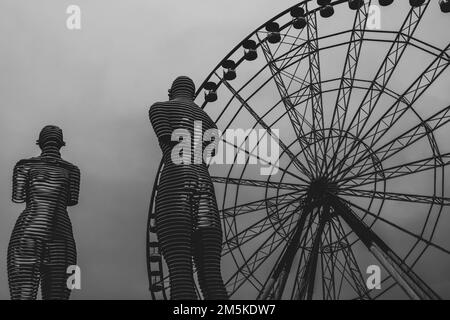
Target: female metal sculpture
x=187, y=218
x=42, y=246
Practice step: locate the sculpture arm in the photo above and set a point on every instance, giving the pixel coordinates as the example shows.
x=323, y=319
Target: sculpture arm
x=20, y=183
x=159, y=118
x=74, y=187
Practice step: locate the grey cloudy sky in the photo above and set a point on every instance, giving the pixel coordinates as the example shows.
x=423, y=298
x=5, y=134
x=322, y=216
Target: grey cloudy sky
x=97, y=84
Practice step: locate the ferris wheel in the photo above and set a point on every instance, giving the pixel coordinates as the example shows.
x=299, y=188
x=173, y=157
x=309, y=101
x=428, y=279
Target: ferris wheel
x=361, y=175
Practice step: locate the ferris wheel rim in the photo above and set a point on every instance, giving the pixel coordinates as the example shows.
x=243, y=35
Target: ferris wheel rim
x=202, y=87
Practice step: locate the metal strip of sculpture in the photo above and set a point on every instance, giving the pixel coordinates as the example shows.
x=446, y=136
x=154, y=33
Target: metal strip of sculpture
x=187, y=217
x=42, y=246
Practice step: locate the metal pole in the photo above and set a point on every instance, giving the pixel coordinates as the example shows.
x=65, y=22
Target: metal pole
x=410, y=282
x=310, y=272
x=284, y=266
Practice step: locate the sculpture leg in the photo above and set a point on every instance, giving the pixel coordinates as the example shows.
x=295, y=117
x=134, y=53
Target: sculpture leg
x=58, y=256
x=207, y=240
x=207, y=253
x=23, y=268
x=174, y=230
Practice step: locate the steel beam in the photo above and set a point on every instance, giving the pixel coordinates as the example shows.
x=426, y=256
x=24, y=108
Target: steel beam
x=410, y=282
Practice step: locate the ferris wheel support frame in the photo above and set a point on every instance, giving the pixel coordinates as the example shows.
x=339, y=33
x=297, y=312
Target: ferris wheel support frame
x=408, y=280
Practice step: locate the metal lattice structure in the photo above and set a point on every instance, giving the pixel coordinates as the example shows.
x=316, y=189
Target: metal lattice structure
x=42, y=246
x=362, y=168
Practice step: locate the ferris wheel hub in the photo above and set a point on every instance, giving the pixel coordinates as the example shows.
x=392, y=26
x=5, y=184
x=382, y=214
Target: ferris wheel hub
x=321, y=187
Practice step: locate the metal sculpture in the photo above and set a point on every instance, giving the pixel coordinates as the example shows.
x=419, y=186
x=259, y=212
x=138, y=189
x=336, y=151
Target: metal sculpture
x=187, y=218
x=42, y=246
x=353, y=143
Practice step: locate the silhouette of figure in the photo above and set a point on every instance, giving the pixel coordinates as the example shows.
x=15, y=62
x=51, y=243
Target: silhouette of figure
x=187, y=218
x=42, y=246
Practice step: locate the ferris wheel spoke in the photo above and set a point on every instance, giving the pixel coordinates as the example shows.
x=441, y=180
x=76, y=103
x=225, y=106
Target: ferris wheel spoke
x=412, y=94
x=259, y=120
x=274, y=216
x=302, y=97
x=394, y=196
x=255, y=230
x=355, y=280
x=259, y=183
x=350, y=66
x=287, y=62
x=301, y=81
x=275, y=283
x=328, y=265
x=315, y=92
x=314, y=71
x=396, y=226
x=297, y=120
x=257, y=205
x=280, y=216
x=408, y=280
x=424, y=129
x=410, y=168
x=305, y=242
x=384, y=74
x=247, y=269
x=388, y=67
x=334, y=271
x=342, y=274
x=307, y=280
x=265, y=161
x=349, y=72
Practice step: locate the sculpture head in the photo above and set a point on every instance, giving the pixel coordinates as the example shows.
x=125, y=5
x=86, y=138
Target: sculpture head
x=182, y=88
x=51, y=136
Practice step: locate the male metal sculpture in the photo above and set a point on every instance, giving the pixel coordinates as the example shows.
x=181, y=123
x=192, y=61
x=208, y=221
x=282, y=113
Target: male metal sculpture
x=187, y=217
x=42, y=246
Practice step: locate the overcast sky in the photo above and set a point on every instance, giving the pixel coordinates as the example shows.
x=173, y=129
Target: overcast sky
x=97, y=84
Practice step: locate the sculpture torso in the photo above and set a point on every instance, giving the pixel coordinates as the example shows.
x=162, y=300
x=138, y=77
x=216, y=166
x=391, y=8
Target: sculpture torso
x=168, y=116
x=48, y=186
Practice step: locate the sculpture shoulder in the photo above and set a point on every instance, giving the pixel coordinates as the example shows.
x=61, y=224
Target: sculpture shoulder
x=157, y=106
x=173, y=110
x=158, y=110
x=168, y=106
x=30, y=162
x=26, y=163
x=69, y=166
